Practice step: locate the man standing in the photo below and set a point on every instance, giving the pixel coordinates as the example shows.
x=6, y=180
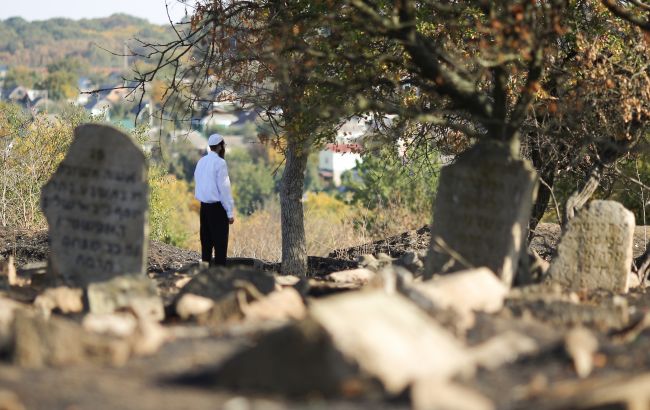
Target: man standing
x=217, y=207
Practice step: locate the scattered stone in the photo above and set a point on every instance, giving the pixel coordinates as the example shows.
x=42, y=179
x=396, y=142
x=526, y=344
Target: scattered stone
x=285, y=304
x=595, y=252
x=503, y=349
x=287, y=280
x=395, y=246
x=8, y=310
x=228, y=288
x=581, y=344
x=218, y=282
x=136, y=293
x=368, y=261
x=120, y=325
x=295, y=360
x=360, y=276
x=318, y=288
x=64, y=299
x=384, y=258
x=8, y=272
x=412, y=261
x=10, y=401
x=605, y=392
x=96, y=206
x=466, y=292
x=190, y=305
x=347, y=339
x=607, y=314
x=300, y=284
x=481, y=213
x=390, y=338
x=149, y=337
x=59, y=342
x=182, y=282
x=441, y=395
x=145, y=337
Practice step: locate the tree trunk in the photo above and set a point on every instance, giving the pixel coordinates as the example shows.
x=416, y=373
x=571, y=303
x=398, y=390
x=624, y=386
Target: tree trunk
x=546, y=172
x=294, y=244
x=580, y=197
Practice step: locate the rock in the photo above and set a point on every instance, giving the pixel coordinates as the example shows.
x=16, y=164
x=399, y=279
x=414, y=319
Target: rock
x=64, y=299
x=182, y=282
x=136, y=293
x=440, y=395
x=148, y=338
x=359, y=276
x=8, y=271
x=482, y=209
x=622, y=391
x=218, y=282
x=411, y=261
x=60, y=342
x=537, y=266
x=390, y=338
x=606, y=315
x=581, y=344
x=353, y=339
x=190, y=305
x=96, y=206
x=465, y=292
x=295, y=360
x=8, y=310
x=10, y=401
x=285, y=304
x=228, y=288
x=391, y=278
x=368, y=261
x=503, y=349
x=120, y=325
x=286, y=280
x=145, y=337
x=595, y=252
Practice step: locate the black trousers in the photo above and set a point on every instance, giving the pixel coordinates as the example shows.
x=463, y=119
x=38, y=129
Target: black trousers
x=214, y=232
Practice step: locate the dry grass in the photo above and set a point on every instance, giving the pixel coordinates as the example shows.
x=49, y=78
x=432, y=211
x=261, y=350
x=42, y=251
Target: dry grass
x=259, y=235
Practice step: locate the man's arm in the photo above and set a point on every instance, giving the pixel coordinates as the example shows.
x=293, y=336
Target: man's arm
x=223, y=184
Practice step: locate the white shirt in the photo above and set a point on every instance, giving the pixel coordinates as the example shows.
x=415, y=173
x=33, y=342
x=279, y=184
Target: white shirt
x=213, y=182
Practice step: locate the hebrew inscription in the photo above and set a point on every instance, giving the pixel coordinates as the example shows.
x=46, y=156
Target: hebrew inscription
x=96, y=207
x=481, y=213
x=596, y=249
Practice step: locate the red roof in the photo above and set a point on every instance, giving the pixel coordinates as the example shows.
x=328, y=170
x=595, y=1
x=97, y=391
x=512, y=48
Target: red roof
x=344, y=148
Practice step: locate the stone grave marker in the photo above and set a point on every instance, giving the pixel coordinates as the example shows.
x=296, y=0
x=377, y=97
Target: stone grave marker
x=481, y=213
x=595, y=252
x=96, y=205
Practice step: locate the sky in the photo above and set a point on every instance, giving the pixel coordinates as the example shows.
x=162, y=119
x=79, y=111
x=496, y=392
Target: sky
x=152, y=10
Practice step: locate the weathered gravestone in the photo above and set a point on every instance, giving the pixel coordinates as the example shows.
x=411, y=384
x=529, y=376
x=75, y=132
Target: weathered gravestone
x=96, y=207
x=595, y=252
x=481, y=212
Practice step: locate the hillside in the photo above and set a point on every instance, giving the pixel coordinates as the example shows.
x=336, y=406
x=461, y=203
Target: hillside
x=38, y=43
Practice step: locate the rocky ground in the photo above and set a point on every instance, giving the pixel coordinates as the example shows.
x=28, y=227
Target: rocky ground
x=247, y=338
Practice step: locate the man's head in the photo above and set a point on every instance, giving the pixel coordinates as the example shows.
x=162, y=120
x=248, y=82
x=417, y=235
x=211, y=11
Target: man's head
x=217, y=145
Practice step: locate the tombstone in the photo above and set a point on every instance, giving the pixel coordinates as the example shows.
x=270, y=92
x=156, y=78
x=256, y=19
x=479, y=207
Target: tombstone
x=481, y=213
x=595, y=252
x=96, y=205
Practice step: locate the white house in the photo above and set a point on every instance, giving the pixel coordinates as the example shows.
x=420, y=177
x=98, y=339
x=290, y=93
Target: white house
x=337, y=158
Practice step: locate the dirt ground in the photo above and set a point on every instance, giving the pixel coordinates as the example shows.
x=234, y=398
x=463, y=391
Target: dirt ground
x=545, y=379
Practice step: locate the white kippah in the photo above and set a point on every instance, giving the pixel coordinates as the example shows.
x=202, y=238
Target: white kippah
x=215, y=139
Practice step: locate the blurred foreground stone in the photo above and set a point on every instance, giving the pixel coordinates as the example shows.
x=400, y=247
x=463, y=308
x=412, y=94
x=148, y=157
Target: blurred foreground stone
x=364, y=339
x=135, y=293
